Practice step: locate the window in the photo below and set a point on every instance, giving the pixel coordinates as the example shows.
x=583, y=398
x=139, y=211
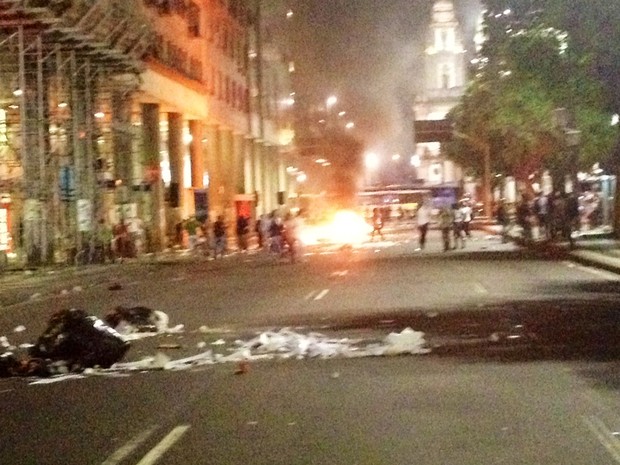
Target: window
x=446, y=76
x=438, y=39
x=193, y=20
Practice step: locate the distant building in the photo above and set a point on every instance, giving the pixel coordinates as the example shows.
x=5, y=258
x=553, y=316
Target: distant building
x=445, y=66
x=147, y=111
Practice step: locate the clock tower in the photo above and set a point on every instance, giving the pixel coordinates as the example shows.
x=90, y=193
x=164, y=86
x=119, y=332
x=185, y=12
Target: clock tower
x=445, y=74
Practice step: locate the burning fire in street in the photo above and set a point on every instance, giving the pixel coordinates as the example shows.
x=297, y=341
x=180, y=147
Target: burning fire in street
x=346, y=227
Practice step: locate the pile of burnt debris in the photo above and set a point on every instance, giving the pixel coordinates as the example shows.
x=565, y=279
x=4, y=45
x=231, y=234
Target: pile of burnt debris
x=75, y=340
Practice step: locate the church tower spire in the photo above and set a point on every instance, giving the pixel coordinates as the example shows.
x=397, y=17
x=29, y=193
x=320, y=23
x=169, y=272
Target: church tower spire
x=445, y=57
x=442, y=85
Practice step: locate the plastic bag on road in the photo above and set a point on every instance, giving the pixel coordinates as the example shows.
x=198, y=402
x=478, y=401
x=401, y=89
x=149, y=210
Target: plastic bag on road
x=79, y=340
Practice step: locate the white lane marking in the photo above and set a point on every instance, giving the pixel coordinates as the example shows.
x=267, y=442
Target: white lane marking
x=595, y=271
x=160, y=449
x=604, y=436
x=309, y=296
x=321, y=294
x=480, y=289
x=124, y=452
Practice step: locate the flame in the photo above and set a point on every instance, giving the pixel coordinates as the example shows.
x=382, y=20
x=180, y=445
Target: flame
x=346, y=227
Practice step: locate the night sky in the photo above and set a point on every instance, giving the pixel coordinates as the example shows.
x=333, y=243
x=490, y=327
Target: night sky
x=368, y=53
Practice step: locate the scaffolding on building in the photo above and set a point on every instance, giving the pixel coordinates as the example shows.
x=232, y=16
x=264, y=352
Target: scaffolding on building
x=67, y=71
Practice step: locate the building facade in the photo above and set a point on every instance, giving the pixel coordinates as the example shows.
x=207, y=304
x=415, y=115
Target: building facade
x=445, y=77
x=145, y=112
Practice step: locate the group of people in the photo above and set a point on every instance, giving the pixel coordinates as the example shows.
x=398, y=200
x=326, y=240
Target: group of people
x=210, y=239
x=455, y=224
x=275, y=233
x=556, y=215
x=280, y=235
x=454, y=221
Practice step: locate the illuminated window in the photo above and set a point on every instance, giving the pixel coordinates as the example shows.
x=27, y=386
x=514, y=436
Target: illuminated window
x=446, y=76
x=438, y=39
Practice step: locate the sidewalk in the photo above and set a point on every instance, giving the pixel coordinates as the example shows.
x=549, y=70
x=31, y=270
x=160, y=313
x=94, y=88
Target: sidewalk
x=591, y=249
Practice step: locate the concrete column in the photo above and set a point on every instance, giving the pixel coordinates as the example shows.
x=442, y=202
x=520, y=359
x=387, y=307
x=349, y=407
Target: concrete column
x=258, y=176
x=196, y=153
x=248, y=166
x=175, y=155
x=266, y=177
x=271, y=178
x=238, y=149
x=227, y=160
x=282, y=177
x=154, y=223
x=122, y=138
x=213, y=168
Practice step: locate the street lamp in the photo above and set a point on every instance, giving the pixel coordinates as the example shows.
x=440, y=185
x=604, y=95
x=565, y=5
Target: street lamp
x=371, y=161
x=331, y=101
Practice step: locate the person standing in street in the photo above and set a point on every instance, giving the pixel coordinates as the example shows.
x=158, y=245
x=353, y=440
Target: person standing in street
x=275, y=234
x=503, y=219
x=524, y=218
x=571, y=220
x=541, y=210
x=243, y=228
x=423, y=220
x=377, y=223
x=446, y=225
x=459, y=234
x=259, y=229
x=467, y=217
x=219, y=237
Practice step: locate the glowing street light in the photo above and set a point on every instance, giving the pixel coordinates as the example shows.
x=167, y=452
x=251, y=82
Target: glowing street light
x=371, y=161
x=331, y=101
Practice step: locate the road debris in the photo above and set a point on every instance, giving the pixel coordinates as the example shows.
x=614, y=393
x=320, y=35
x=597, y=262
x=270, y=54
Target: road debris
x=138, y=322
x=75, y=341
x=169, y=346
x=242, y=368
x=79, y=340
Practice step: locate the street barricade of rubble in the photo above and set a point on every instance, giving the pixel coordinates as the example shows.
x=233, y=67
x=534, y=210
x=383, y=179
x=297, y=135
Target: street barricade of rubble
x=75, y=342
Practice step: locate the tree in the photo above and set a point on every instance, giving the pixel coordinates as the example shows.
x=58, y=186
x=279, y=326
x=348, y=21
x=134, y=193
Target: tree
x=525, y=70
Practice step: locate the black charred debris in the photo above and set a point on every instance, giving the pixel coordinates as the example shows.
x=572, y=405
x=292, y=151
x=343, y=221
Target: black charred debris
x=74, y=340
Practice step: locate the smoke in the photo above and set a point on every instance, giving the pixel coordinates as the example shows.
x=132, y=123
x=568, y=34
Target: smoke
x=370, y=53
x=345, y=155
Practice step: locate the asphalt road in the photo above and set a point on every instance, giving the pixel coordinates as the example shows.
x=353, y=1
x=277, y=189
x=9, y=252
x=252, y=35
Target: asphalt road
x=368, y=411
x=459, y=407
